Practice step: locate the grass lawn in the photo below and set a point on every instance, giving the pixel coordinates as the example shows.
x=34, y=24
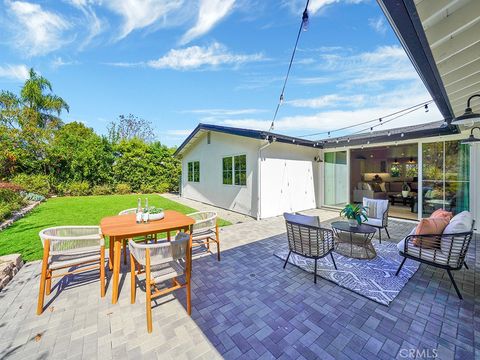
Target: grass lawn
x=22, y=237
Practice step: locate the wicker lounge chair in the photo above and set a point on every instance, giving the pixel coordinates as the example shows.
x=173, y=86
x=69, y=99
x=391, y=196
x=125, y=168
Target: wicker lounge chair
x=76, y=248
x=307, y=238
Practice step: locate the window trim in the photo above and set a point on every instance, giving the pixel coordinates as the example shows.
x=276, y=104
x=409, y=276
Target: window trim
x=193, y=171
x=232, y=156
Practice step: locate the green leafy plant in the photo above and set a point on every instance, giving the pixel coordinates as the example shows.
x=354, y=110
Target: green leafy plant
x=355, y=212
x=123, y=188
x=155, y=210
x=101, y=190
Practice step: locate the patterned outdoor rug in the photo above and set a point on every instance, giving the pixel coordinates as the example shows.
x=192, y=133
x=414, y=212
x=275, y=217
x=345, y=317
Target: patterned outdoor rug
x=375, y=279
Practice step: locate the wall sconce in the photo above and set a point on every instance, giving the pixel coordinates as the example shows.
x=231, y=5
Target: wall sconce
x=468, y=116
x=471, y=139
x=318, y=159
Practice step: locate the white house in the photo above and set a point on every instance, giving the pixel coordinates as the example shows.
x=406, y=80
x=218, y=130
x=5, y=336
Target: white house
x=263, y=174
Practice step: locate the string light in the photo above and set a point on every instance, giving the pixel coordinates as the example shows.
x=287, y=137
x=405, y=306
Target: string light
x=304, y=26
x=389, y=133
x=402, y=135
x=426, y=108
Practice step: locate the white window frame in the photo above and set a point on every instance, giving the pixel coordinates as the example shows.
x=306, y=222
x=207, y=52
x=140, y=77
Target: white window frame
x=233, y=169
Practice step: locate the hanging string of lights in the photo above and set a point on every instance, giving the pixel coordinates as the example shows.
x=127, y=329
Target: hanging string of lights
x=381, y=120
x=303, y=26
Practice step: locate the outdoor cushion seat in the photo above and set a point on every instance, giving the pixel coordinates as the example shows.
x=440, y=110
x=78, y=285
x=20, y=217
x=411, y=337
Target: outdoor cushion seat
x=374, y=222
x=74, y=257
x=202, y=235
x=434, y=255
x=377, y=214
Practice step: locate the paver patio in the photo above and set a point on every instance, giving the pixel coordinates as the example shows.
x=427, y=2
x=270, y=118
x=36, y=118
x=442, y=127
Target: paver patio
x=246, y=306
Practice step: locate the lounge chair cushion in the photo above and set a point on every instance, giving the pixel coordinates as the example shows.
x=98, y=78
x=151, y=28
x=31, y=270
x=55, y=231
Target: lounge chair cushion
x=433, y=255
x=203, y=235
x=374, y=222
x=302, y=219
x=460, y=223
x=375, y=208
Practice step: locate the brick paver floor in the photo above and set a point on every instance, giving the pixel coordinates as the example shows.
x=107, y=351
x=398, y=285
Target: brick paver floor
x=248, y=307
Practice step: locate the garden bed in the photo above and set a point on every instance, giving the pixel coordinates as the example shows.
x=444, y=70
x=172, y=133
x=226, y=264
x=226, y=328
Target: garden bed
x=19, y=214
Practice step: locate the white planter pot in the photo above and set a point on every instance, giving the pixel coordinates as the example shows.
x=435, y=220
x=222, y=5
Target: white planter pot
x=405, y=193
x=153, y=217
x=352, y=222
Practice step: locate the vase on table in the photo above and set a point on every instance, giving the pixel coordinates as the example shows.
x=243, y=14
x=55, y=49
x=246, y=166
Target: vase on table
x=352, y=222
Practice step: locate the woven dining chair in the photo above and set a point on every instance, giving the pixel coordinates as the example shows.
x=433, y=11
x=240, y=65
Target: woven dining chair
x=161, y=262
x=205, y=230
x=72, y=248
x=144, y=239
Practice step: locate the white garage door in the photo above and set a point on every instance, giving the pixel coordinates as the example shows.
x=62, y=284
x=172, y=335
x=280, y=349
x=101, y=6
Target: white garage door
x=287, y=186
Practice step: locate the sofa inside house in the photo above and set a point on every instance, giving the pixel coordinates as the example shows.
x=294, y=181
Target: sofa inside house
x=379, y=189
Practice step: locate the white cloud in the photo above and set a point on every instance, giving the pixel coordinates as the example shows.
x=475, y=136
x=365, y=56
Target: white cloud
x=315, y=6
x=91, y=21
x=315, y=80
x=179, y=132
x=195, y=57
x=59, y=62
x=378, y=24
x=37, y=31
x=329, y=101
x=210, y=12
x=224, y=112
x=14, y=72
x=141, y=14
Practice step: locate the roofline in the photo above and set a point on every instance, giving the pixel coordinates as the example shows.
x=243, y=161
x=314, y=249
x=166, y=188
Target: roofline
x=396, y=135
x=249, y=133
x=405, y=21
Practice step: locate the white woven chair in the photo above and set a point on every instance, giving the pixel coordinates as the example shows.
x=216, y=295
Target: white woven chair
x=70, y=247
x=145, y=238
x=377, y=214
x=161, y=262
x=205, y=230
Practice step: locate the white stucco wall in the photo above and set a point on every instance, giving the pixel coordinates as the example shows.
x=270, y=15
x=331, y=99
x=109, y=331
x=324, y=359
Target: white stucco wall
x=210, y=189
x=289, y=179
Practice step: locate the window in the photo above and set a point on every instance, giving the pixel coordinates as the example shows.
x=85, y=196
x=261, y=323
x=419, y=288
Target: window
x=235, y=170
x=227, y=171
x=194, y=171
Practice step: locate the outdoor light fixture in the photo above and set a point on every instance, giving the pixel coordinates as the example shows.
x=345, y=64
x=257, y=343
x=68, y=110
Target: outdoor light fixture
x=468, y=116
x=426, y=107
x=471, y=139
x=305, y=20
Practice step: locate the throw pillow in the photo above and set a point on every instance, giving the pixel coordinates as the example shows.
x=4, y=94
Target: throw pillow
x=430, y=226
x=442, y=213
x=460, y=223
x=371, y=208
x=376, y=187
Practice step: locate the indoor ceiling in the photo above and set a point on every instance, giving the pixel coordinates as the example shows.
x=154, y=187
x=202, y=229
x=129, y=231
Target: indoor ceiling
x=452, y=29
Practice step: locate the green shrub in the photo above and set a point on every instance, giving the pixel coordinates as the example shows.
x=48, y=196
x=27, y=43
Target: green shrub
x=147, y=188
x=10, y=201
x=101, y=190
x=38, y=184
x=77, y=188
x=162, y=188
x=123, y=188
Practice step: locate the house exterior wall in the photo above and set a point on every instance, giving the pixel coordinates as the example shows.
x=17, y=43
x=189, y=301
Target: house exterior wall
x=210, y=189
x=290, y=179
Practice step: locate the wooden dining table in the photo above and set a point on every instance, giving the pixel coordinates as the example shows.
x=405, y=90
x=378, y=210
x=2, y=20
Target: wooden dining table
x=120, y=227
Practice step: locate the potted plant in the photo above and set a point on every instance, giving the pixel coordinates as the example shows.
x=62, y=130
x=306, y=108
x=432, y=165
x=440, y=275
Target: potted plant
x=405, y=189
x=355, y=213
x=155, y=213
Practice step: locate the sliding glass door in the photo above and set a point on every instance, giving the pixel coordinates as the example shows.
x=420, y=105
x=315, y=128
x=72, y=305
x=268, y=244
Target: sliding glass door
x=446, y=177
x=336, y=186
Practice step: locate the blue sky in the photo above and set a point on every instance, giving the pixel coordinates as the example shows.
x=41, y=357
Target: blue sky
x=181, y=62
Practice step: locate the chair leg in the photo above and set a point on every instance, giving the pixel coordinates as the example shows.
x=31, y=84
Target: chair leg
x=400, y=267
x=380, y=235
x=286, y=260
x=454, y=284
x=315, y=273
x=386, y=230
x=217, y=237
x=43, y=277
x=333, y=260
x=133, y=285
x=102, y=271
x=125, y=252
x=466, y=266
x=48, y=283
x=189, y=297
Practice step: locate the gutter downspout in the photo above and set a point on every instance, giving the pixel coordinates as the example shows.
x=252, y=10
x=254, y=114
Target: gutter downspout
x=259, y=176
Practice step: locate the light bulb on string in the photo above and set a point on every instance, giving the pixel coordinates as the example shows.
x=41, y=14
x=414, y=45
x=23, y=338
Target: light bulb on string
x=305, y=20
x=426, y=108
x=281, y=99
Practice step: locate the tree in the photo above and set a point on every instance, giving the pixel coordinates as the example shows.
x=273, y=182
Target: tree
x=130, y=127
x=77, y=153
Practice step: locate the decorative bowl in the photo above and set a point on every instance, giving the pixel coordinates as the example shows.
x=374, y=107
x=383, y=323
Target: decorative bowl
x=159, y=216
